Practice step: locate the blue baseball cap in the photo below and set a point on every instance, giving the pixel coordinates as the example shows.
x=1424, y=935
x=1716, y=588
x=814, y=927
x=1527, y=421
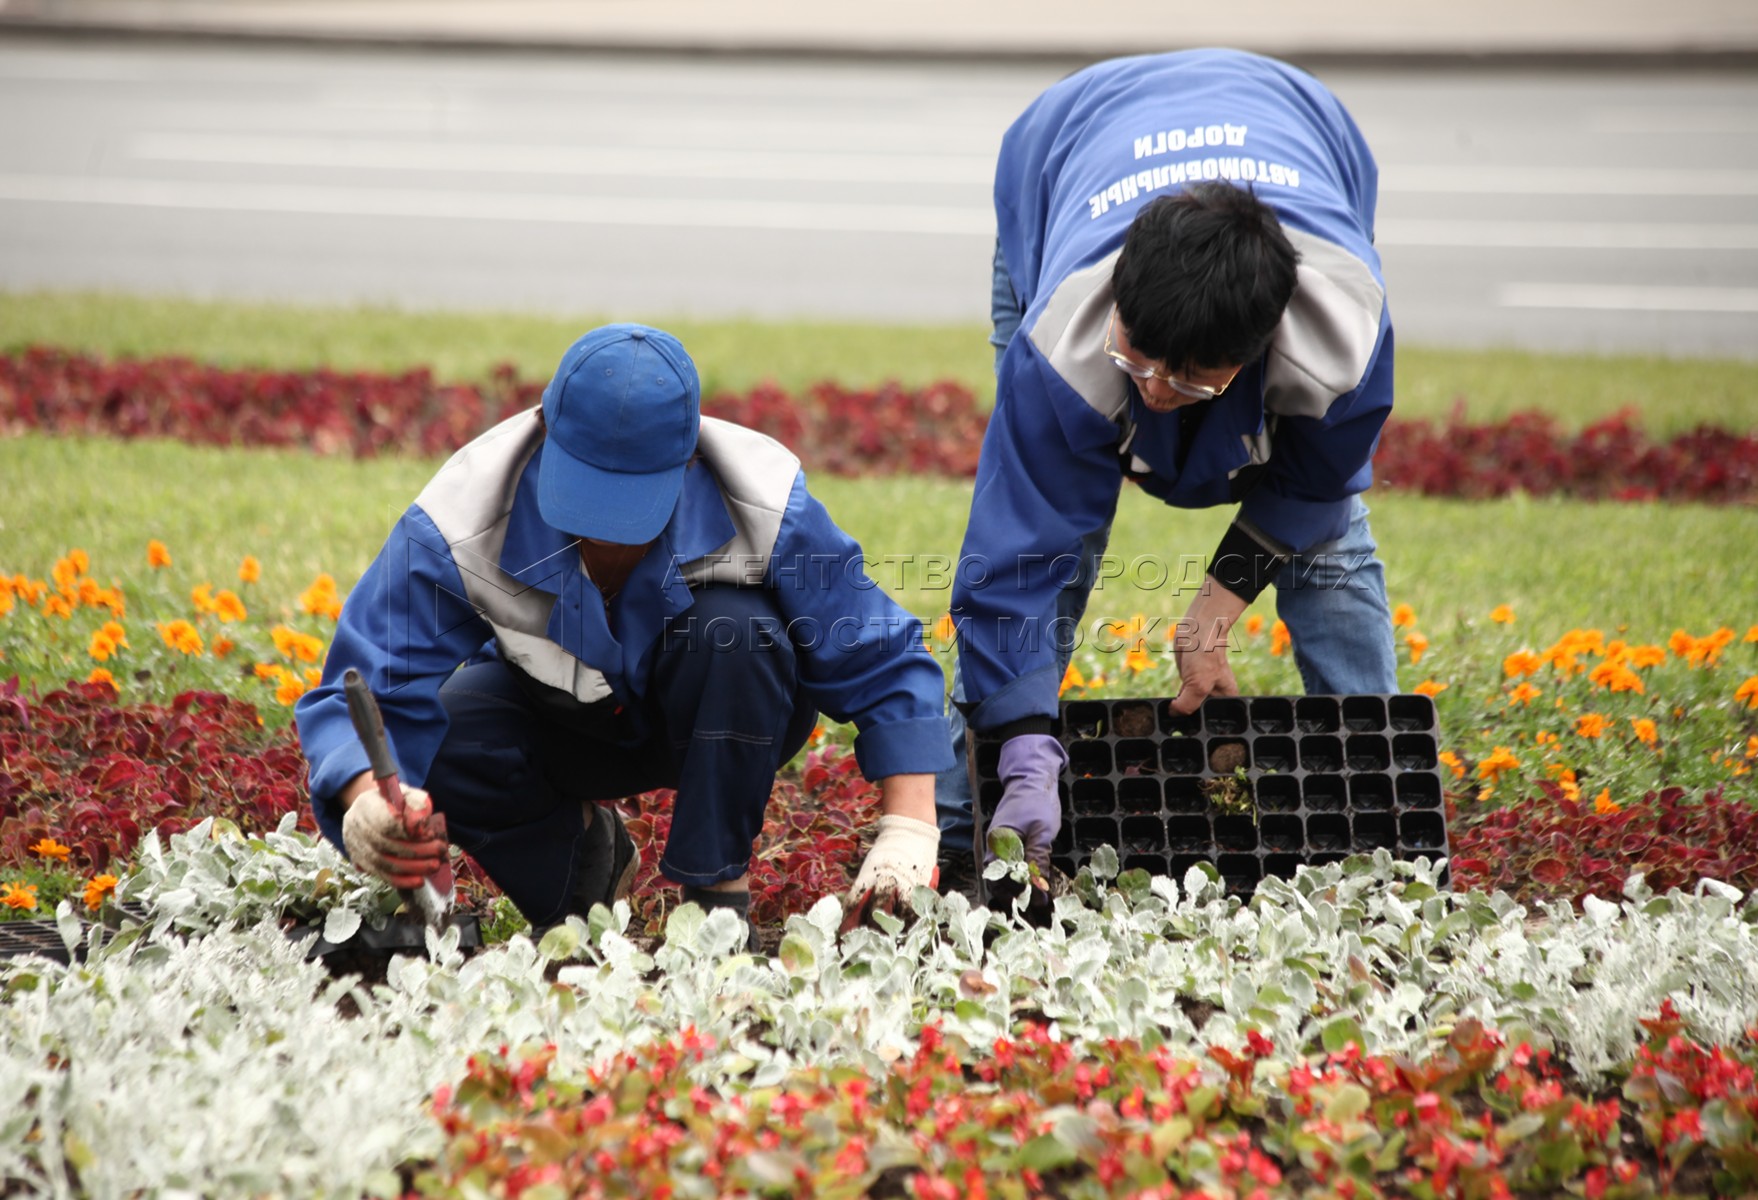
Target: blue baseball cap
x=623, y=411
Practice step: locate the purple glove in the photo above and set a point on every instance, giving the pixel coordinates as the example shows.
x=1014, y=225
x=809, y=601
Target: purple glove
x=1030, y=766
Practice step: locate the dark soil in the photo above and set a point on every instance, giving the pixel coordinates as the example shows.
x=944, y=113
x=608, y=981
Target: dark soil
x=1135, y=720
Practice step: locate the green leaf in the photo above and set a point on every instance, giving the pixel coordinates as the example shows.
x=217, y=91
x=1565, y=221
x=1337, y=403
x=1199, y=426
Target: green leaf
x=1104, y=864
x=1006, y=845
x=340, y=925
x=796, y=954
x=683, y=927
x=1341, y=1031
x=1350, y=1103
x=563, y=941
x=1044, y=1153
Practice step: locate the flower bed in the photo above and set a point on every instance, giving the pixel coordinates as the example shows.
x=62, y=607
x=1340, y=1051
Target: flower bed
x=937, y=429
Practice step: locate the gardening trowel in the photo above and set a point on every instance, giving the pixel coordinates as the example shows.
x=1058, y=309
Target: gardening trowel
x=433, y=899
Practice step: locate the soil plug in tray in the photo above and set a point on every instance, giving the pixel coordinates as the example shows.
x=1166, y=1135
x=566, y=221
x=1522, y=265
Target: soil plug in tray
x=1256, y=785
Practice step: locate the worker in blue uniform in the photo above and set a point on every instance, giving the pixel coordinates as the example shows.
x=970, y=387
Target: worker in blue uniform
x=609, y=594
x=1186, y=296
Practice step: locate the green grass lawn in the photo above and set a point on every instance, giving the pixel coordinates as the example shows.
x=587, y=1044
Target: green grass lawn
x=1672, y=395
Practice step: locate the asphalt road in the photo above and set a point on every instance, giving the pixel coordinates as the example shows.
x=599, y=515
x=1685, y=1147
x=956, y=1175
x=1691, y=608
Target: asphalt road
x=1571, y=210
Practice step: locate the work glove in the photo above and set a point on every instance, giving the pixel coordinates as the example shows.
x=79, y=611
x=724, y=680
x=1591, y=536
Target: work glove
x=904, y=857
x=1030, y=765
x=378, y=843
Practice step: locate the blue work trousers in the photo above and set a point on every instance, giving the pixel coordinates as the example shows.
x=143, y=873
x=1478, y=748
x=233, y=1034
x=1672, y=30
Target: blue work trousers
x=723, y=710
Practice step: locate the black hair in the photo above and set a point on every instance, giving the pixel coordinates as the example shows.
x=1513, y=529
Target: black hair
x=1204, y=277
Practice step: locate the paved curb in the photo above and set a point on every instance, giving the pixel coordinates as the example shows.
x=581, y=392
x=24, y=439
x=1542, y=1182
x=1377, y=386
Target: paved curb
x=1664, y=57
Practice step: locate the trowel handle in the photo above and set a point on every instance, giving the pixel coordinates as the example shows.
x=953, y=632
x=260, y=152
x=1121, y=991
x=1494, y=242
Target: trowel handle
x=369, y=726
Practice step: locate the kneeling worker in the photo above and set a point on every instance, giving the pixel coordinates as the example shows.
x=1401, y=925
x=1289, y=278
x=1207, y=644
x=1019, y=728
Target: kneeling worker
x=606, y=595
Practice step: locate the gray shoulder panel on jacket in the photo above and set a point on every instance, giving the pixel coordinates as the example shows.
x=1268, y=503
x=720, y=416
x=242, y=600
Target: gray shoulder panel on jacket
x=1070, y=334
x=1327, y=336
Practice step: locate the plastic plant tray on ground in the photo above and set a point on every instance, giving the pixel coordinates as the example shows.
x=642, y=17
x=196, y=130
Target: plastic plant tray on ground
x=402, y=935
x=1328, y=776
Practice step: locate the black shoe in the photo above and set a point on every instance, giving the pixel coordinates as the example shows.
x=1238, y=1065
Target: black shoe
x=608, y=862
x=740, y=902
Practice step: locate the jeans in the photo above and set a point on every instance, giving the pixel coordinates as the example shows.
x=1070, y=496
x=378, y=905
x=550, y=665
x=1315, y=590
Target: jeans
x=519, y=760
x=1332, y=598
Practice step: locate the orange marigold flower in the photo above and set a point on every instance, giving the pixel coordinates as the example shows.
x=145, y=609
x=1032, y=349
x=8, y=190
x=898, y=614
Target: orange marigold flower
x=18, y=895
x=1501, y=760
x=266, y=670
x=1254, y=624
x=249, y=571
x=1403, y=616
x=5, y=596
x=1525, y=693
x=222, y=646
x=290, y=643
x=1418, y=646
x=1647, y=656
x=82, y=562
x=228, y=607
x=1071, y=678
x=202, y=596
x=1751, y=635
x=100, y=675
x=944, y=629
x=116, y=633
x=1452, y=763
x=1544, y=737
x=31, y=591
x=1279, y=638
x=50, y=848
x=320, y=599
x=1429, y=687
x=1748, y=692
x=1752, y=746
x=1646, y=733
x=1521, y=662
x=66, y=577
x=313, y=676
x=91, y=594
x=1604, y=805
x=1616, y=678
x=97, y=888
x=181, y=636
x=290, y=690
x=157, y=555
x=1591, y=725
x=102, y=646
x=1715, y=643
x=57, y=606
x=1138, y=659
x=1502, y=614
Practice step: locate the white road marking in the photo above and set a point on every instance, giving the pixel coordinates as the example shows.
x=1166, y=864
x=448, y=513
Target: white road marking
x=536, y=159
x=1566, y=235
x=1629, y=298
x=1503, y=179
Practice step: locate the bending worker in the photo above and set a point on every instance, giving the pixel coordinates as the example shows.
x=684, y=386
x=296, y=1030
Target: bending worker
x=606, y=595
x=1186, y=296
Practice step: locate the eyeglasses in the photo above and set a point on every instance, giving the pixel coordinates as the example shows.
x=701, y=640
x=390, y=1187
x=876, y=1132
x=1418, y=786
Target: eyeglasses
x=1135, y=370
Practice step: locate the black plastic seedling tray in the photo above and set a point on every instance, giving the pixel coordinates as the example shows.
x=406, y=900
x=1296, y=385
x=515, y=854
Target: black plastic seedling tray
x=1256, y=785
x=402, y=935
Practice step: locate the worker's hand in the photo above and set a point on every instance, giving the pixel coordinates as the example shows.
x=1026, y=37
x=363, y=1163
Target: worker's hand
x=378, y=843
x=1199, y=647
x=903, y=858
x=1030, y=766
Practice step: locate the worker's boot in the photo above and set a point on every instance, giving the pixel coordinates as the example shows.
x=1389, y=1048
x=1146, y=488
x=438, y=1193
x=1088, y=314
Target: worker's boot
x=740, y=902
x=608, y=859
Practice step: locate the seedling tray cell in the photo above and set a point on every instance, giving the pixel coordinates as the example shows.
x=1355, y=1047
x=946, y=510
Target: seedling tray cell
x=1255, y=785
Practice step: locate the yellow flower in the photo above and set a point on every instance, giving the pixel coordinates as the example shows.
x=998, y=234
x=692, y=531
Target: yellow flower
x=1591, y=725
x=1544, y=737
x=1521, y=662
x=249, y=571
x=116, y=633
x=57, y=606
x=91, y=594
x=99, y=675
x=18, y=895
x=1254, y=624
x=222, y=646
x=181, y=636
x=1452, y=763
x=1501, y=760
x=1748, y=691
x=1429, y=687
x=228, y=607
x=50, y=848
x=66, y=577
x=1604, y=805
x=1646, y=733
x=1751, y=635
x=290, y=690
x=313, y=676
x=944, y=629
x=82, y=562
x=1617, y=678
x=157, y=555
x=1752, y=746
x=5, y=596
x=1418, y=646
x=102, y=647
x=1071, y=678
x=292, y=644
x=266, y=670
x=203, y=598
x=1402, y=616
x=1502, y=614
x=1525, y=693
x=1279, y=639
x=320, y=599
x=96, y=889
x=1138, y=659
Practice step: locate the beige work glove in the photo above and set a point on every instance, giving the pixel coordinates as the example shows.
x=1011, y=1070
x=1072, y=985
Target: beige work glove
x=378, y=844
x=904, y=856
